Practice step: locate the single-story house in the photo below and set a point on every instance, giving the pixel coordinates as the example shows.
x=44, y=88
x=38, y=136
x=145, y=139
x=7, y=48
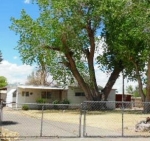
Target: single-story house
x=30, y=94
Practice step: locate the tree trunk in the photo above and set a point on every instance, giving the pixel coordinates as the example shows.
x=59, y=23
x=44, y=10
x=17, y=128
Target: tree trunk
x=147, y=99
x=111, y=81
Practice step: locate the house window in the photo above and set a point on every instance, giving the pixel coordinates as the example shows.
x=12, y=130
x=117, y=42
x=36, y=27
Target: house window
x=46, y=95
x=14, y=94
x=79, y=94
x=25, y=93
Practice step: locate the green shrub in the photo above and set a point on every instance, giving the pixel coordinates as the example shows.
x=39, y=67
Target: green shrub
x=65, y=101
x=40, y=100
x=25, y=107
x=56, y=102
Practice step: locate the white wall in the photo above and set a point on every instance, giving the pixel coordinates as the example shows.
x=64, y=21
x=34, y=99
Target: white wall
x=75, y=99
x=9, y=98
x=111, y=99
x=79, y=99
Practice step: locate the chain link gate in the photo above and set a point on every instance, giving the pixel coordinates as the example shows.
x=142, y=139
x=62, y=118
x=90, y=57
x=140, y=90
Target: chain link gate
x=48, y=120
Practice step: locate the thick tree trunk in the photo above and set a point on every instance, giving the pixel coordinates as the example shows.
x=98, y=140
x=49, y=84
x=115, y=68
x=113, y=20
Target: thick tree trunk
x=111, y=81
x=147, y=99
x=141, y=92
x=76, y=74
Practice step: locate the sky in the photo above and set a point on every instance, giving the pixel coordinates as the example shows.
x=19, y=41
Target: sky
x=12, y=67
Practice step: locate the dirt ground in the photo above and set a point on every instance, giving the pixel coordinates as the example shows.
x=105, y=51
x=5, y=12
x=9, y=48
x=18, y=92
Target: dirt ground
x=94, y=118
x=109, y=120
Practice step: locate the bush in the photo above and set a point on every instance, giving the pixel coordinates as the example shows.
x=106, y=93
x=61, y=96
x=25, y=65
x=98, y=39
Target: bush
x=56, y=102
x=40, y=100
x=25, y=107
x=65, y=101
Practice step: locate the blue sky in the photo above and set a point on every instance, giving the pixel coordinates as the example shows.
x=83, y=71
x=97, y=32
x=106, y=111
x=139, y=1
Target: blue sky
x=8, y=39
x=12, y=67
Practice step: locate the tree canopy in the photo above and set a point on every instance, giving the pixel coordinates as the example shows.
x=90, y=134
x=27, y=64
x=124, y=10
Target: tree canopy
x=3, y=81
x=66, y=38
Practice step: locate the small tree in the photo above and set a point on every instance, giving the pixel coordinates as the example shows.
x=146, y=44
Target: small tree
x=1, y=59
x=3, y=81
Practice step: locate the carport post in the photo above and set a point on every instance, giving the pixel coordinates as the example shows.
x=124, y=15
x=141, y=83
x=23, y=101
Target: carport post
x=41, y=122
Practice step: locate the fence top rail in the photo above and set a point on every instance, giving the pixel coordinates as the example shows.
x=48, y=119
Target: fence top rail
x=42, y=104
x=115, y=102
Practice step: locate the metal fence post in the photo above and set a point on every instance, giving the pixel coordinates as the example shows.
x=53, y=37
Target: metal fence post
x=84, y=122
x=80, y=119
x=122, y=118
x=41, y=131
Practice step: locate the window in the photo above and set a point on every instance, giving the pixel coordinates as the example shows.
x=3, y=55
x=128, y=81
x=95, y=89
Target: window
x=79, y=94
x=14, y=93
x=25, y=93
x=46, y=95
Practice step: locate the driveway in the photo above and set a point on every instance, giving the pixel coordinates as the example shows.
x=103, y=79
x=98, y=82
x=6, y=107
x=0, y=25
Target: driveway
x=29, y=126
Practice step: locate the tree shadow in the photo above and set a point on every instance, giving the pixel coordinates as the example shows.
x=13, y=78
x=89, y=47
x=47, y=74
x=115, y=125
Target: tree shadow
x=7, y=123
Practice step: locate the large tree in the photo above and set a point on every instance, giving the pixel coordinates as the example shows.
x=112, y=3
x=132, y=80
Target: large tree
x=66, y=37
x=66, y=33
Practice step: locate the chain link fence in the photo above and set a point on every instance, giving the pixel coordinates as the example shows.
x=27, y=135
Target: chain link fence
x=38, y=120
x=89, y=119
x=114, y=119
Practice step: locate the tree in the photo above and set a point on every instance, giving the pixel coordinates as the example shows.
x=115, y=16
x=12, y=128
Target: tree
x=66, y=38
x=3, y=81
x=66, y=33
x=38, y=78
x=1, y=59
x=134, y=91
x=127, y=43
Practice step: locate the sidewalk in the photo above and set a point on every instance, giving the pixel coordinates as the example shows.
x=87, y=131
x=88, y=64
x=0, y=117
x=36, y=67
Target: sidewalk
x=86, y=139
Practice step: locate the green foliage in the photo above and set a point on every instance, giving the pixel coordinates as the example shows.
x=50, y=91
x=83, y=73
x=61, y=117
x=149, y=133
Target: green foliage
x=58, y=22
x=40, y=100
x=3, y=81
x=63, y=38
x=56, y=102
x=25, y=107
x=134, y=91
x=65, y=101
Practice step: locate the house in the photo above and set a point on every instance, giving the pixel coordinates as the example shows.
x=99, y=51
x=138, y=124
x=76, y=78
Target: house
x=30, y=94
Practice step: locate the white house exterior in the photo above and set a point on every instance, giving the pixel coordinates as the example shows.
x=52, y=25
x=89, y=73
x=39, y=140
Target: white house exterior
x=76, y=95
x=30, y=94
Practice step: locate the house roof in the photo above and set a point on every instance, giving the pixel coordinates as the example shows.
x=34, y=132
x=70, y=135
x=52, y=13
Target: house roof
x=42, y=87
